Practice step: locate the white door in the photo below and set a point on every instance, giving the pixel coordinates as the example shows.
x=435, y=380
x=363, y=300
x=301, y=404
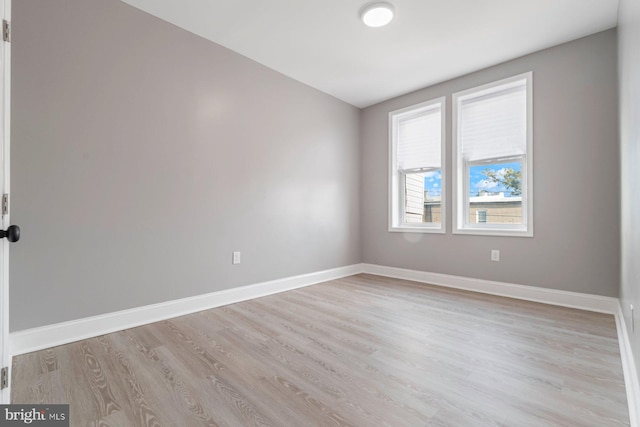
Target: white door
x=5, y=87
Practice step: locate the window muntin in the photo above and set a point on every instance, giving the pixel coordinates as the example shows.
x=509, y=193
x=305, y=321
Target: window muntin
x=492, y=158
x=417, y=168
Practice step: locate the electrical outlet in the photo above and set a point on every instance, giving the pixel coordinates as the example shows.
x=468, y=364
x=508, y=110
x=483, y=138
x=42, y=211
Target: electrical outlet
x=495, y=255
x=236, y=258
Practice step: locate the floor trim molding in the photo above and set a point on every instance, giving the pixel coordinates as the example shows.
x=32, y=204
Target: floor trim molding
x=39, y=338
x=548, y=296
x=48, y=336
x=631, y=382
x=582, y=301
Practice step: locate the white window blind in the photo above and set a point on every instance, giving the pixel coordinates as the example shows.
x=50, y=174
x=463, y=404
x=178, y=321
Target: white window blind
x=493, y=124
x=419, y=140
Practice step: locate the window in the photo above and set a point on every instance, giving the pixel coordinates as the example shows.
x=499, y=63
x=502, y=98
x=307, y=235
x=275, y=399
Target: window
x=416, y=171
x=481, y=216
x=492, y=155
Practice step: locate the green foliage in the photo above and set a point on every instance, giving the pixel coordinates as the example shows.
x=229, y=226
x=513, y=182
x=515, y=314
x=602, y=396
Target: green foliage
x=510, y=179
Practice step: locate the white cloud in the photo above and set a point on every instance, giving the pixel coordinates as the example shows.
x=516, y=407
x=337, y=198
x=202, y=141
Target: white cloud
x=485, y=184
x=433, y=175
x=500, y=172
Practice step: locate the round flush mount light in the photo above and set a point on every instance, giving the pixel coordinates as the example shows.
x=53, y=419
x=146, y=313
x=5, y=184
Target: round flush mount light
x=377, y=14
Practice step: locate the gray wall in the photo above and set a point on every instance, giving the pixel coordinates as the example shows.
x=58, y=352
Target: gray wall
x=629, y=74
x=576, y=179
x=143, y=155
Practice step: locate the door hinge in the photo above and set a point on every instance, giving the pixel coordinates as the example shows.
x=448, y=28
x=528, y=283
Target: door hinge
x=5, y=204
x=6, y=30
x=4, y=378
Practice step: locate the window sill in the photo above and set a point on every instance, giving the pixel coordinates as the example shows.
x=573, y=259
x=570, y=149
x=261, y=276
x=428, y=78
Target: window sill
x=494, y=232
x=410, y=229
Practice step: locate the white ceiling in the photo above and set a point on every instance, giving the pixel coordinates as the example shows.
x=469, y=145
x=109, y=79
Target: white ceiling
x=326, y=46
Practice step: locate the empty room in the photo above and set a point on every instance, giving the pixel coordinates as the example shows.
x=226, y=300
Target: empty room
x=305, y=213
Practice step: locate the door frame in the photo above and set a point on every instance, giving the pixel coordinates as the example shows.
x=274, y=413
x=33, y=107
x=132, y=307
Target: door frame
x=5, y=172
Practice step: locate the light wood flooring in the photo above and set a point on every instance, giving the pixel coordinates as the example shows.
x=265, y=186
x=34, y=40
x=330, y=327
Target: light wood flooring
x=359, y=351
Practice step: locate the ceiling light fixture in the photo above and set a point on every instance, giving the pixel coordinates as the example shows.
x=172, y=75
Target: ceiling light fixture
x=377, y=14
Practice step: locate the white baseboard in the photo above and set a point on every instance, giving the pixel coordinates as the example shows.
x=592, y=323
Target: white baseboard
x=62, y=333
x=29, y=340
x=548, y=296
x=629, y=368
x=530, y=293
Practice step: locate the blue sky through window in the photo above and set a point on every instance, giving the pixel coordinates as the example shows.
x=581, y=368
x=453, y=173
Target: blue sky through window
x=433, y=182
x=478, y=182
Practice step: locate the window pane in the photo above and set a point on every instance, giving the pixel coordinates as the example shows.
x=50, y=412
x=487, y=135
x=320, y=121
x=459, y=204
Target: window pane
x=495, y=193
x=423, y=197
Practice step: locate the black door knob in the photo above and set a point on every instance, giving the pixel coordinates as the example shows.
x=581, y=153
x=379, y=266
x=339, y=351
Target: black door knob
x=12, y=233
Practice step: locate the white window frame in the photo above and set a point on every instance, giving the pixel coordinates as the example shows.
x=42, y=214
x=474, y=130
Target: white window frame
x=397, y=183
x=461, y=169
